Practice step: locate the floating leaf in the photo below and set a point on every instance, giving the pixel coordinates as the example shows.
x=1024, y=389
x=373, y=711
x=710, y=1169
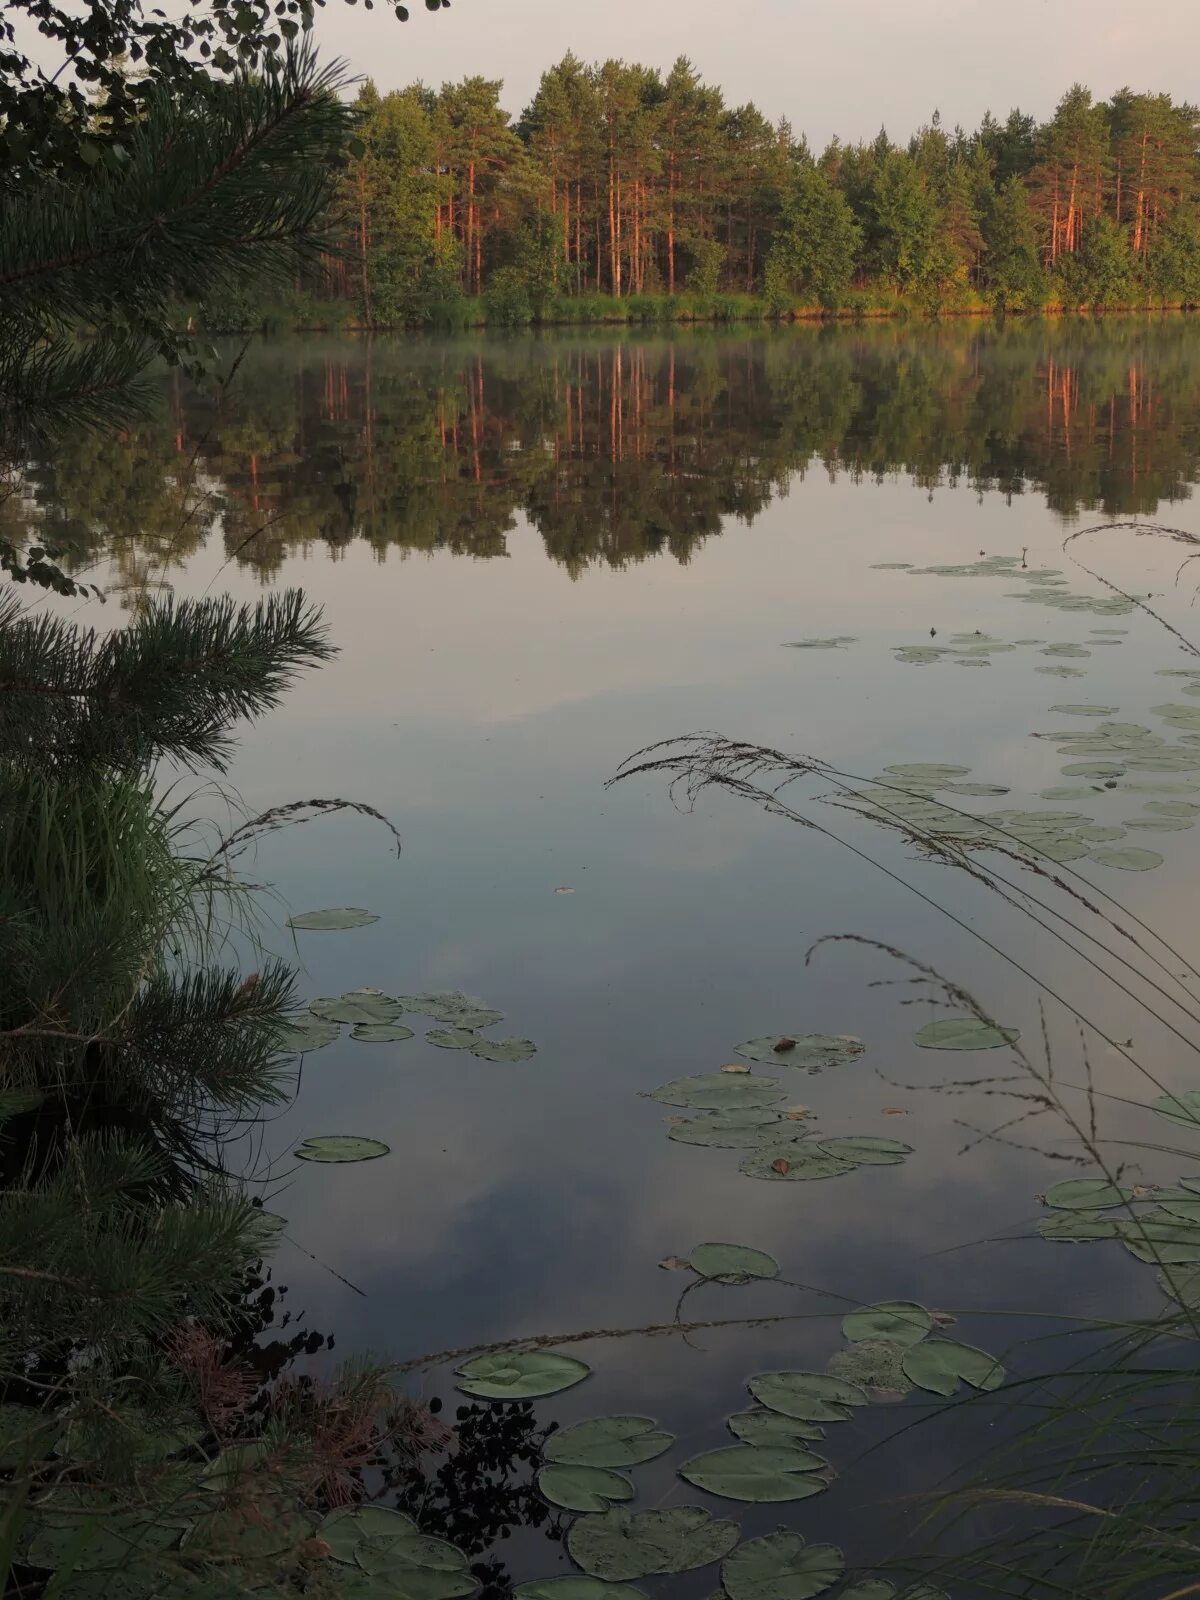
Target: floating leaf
x=453, y=1038
x=468, y=1014
x=733, y=1263
x=1077, y=1227
x=344, y=1530
x=1182, y=1283
x=770, y=1430
x=1086, y=1194
x=417, y=1567
x=965, y=1033
x=974, y=788
x=870, y=1589
x=927, y=771
x=332, y=920
x=340, y=1147
x=1127, y=858
x=725, y=1130
x=619, y=1545
x=794, y=1163
x=901, y=1321
x=876, y=1364
x=1086, y=711
x=781, y=1566
x=1183, y=1108
x=940, y=1364
x=1093, y=769
x=1160, y=824
x=579, y=1488
x=810, y=1052
x=718, y=1091
x=502, y=1049
x=808, y=1396
x=867, y=1150
x=520, y=1374
x=363, y=1006
x=301, y=1033
x=820, y=644
x=1158, y=1238
x=1099, y=835
x=1183, y=1210
x=576, y=1586
x=748, y=1472
x=607, y=1442
x=380, y=1032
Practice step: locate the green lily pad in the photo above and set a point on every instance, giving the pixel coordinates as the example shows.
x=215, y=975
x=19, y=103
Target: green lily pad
x=453, y=1038
x=733, y=1263
x=301, y=1033
x=1077, y=1227
x=1086, y=1194
x=1127, y=858
x=724, y=1130
x=380, y=1032
x=807, y=1396
x=940, y=1364
x=576, y=1586
x=467, y=1014
x=1093, y=769
x=927, y=771
x=361, y=1006
x=582, y=1488
x=769, y=1429
x=618, y=1545
x=332, y=920
x=1157, y=1238
x=758, y=1474
x=901, y=1321
x=1181, y=1283
x=1173, y=808
x=608, y=1442
x=793, y=1163
x=1086, y=711
x=502, y=1049
x=1160, y=824
x=974, y=788
x=341, y=1147
x=965, y=1033
x=877, y=1365
x=810, y=1052
x=721, y=1091
x=520, y=1374
x=1182, y=1210
x=345, y=1529
x=867, y=1150
x=418, y=1567
x=1183, y=1108
x=1098, y=835
x=870, y=1589
x=781, y=1566
x=820, y=644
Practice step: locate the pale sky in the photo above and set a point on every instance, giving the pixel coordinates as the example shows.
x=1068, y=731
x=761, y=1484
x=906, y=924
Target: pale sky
x=831, y=66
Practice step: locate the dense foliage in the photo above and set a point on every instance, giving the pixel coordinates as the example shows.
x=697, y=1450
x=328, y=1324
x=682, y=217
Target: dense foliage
x=620, y=182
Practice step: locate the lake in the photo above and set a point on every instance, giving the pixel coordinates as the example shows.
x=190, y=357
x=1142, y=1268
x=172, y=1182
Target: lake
x=538, y=556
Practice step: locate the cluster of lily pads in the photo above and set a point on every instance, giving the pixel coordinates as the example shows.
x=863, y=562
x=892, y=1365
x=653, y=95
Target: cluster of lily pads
x=374, y=1018
x=738, y=1109
x=1043, y=585
x=976, y=650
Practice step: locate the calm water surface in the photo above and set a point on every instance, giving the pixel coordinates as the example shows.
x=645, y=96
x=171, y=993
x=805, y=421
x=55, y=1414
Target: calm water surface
x=539, y=555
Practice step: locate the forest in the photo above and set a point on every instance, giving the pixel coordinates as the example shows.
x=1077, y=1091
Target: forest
x=623, y=194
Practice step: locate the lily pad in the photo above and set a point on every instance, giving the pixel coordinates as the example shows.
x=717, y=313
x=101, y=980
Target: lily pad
x=1093, y=769
x=901, y=1321
x=1183, y=1108
x=578, y=1488
x=758, y=1474
x=1086, y=711
x=768, y=1428
x=417, y=1567
x=1160, y=824
x=794, y=1163
x=341, y=1147
x=520, y=1374
x=867, y=1150
x=576, y=1586
x=876, y=1364
x=608, y=1442
x=810, y=1052
x=333, y=920
x=721, y=1091
x=453, y=1038
x=380, y=1032
x=781, y=1566
x=807, y=1396
x=502, y=1049
x=820, y=644
x=345, y=1529
x=1086, y=1194
x=1126, y=858
x=1158, y=1238
x=870, y=1589
x=301, y=1033
x=725, y=1130
x=362, y=1006
x=733, y=1263
x=965, y=1033
x=1077, y=1227
x=619, y=1544
x=940, y=1364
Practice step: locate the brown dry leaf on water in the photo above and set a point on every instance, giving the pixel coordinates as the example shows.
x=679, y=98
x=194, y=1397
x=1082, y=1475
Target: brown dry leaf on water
x=1141, y=1190
x=783, y=1044
x=734, y=1066
x=799, y=1113
x=895, y=1111
x=943, y=1319
x=675, y=1264
x=782, y=1167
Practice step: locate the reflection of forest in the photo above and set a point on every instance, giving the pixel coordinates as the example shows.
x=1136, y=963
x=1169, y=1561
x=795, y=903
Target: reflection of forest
x=619, y=449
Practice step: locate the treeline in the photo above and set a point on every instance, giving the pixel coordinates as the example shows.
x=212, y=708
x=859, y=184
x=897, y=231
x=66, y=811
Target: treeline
x=619, y=188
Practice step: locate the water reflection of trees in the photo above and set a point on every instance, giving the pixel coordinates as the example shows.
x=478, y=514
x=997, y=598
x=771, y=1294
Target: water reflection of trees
x=620, y=449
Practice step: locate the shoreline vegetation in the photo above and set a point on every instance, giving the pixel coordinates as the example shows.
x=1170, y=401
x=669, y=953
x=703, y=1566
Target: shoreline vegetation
x=623, y=194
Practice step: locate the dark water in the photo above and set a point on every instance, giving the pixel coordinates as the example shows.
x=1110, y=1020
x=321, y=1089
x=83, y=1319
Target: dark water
x=539, y=556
